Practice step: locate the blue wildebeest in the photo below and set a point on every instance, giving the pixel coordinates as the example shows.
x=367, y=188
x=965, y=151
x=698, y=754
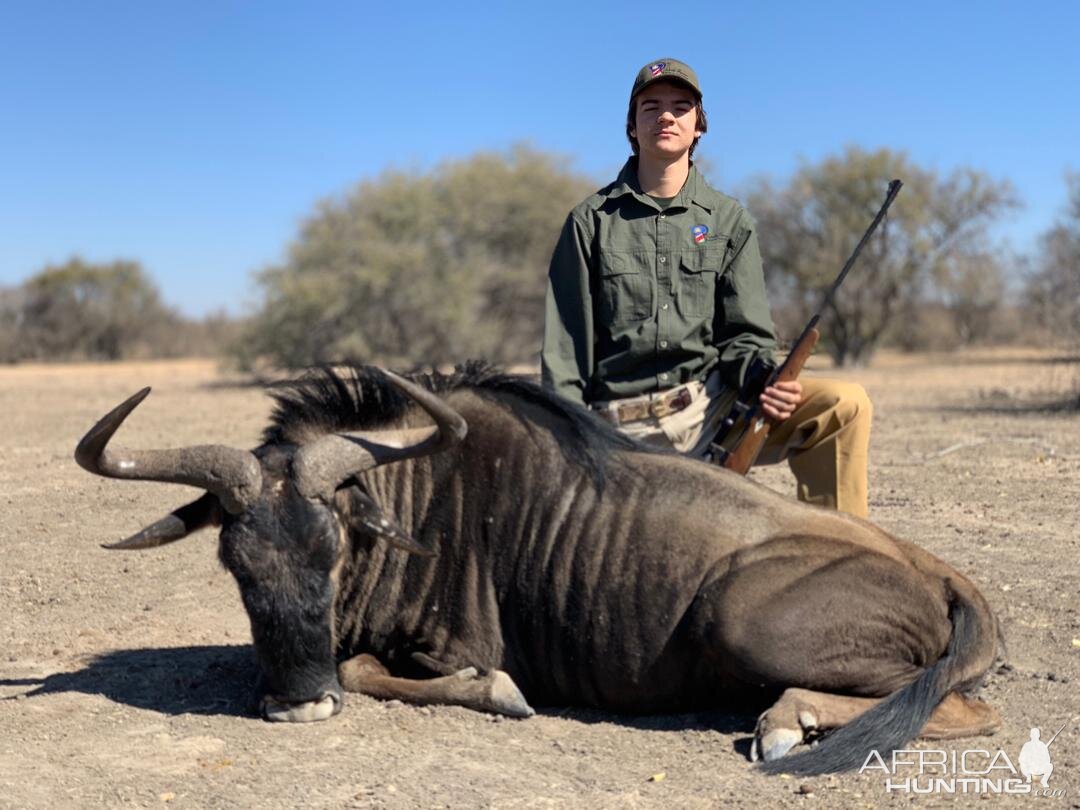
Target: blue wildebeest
x=545, y=559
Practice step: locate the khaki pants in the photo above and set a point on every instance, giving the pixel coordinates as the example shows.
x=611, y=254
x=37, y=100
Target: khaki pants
x=825, y=442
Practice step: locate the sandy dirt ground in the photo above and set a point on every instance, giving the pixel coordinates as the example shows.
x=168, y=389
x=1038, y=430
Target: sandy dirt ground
x=126, y=678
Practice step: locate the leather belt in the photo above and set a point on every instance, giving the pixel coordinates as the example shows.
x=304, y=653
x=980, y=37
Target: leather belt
x=634, y=409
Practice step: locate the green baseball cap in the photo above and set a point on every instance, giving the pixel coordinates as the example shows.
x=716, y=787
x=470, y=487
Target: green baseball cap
x=669, y=69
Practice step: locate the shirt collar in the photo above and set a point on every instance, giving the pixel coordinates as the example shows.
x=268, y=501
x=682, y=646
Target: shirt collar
x=695, y=189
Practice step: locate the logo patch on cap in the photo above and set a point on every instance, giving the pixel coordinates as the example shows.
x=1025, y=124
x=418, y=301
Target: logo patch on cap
x=699, y=232
x=658, y=68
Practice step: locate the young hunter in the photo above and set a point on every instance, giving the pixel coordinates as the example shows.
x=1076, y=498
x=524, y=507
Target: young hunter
x=656, y=307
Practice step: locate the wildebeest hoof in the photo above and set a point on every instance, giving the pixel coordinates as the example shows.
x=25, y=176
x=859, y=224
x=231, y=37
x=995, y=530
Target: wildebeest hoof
x=783, y=726
x=774, y=744
x=506, y=698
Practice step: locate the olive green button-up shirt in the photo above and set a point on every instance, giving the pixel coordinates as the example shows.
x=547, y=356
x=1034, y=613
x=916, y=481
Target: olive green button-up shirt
x=641, y=298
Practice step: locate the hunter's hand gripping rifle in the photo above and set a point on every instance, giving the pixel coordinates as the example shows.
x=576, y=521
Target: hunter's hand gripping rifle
x=744, y=419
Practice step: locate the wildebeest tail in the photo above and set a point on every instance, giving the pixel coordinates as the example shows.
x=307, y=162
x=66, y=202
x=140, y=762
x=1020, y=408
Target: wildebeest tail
x=900, y=717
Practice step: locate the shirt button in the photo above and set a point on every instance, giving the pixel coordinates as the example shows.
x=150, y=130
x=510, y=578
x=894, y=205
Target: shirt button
x=663, y=376
x=663, y=259
x=663, y=344
x=663, y=306
x=662, y=216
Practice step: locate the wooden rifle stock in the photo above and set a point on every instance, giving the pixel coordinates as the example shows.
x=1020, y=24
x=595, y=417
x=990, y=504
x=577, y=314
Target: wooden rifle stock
x=745, y=452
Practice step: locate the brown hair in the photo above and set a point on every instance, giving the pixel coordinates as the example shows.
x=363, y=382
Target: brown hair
x=631, y=123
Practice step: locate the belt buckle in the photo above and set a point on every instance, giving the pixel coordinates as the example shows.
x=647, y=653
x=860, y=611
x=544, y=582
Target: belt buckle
x=684, y=399
x=671, y=403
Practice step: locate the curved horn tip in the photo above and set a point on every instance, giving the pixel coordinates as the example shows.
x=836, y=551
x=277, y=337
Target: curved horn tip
x=91, y=445
x=454, y=422
x=122, y=546
x=140, y=541
x=133, y=401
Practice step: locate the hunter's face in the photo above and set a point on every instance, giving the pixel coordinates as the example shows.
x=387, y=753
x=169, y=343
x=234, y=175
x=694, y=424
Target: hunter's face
x=666, y=121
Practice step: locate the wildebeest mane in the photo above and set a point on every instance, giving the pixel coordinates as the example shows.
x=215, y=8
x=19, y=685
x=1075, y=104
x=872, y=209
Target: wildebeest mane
x=334, y=398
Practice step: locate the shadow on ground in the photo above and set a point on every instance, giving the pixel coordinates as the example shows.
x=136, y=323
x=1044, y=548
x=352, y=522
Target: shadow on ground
x=209, y=680
x=239, y=383
x=1066, y=405
x=1024, y=360
x=1002, y=403
x=221, y=680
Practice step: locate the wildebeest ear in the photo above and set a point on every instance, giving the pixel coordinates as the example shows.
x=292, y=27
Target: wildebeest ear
x=366, y=516
x=206, y=511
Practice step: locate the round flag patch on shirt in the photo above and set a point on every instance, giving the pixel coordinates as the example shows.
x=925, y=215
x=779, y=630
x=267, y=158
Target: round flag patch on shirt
x=699, y=232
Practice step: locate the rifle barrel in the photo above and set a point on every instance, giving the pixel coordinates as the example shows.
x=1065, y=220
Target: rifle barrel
x=890, y=195
x=894, y=189
x=1056, y=733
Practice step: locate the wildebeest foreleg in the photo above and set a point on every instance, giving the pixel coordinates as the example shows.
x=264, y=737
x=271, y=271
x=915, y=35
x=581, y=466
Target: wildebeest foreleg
x=492, y=692
x=799, y=711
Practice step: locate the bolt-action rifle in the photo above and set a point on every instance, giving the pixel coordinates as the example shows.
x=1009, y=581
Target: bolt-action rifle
x=744, y=430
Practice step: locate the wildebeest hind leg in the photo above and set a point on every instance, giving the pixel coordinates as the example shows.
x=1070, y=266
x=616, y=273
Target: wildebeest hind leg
x=959, y=716
x=799, y=711
x=493, y=692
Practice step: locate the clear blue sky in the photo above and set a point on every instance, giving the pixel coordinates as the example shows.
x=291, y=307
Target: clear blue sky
x=194, y=137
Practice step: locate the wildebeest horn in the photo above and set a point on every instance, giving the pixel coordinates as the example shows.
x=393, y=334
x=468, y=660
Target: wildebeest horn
x=232, y=475
x=176, y=525
x=319, y=467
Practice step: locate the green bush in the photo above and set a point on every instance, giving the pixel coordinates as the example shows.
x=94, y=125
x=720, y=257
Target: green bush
x=419, y=267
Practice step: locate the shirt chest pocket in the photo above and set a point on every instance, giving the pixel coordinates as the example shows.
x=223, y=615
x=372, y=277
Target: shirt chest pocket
x=626, y=288
x=699, y=273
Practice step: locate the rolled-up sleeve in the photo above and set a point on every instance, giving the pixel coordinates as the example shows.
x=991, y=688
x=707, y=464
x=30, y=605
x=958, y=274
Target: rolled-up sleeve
x=745, y=330
x=566, y=360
